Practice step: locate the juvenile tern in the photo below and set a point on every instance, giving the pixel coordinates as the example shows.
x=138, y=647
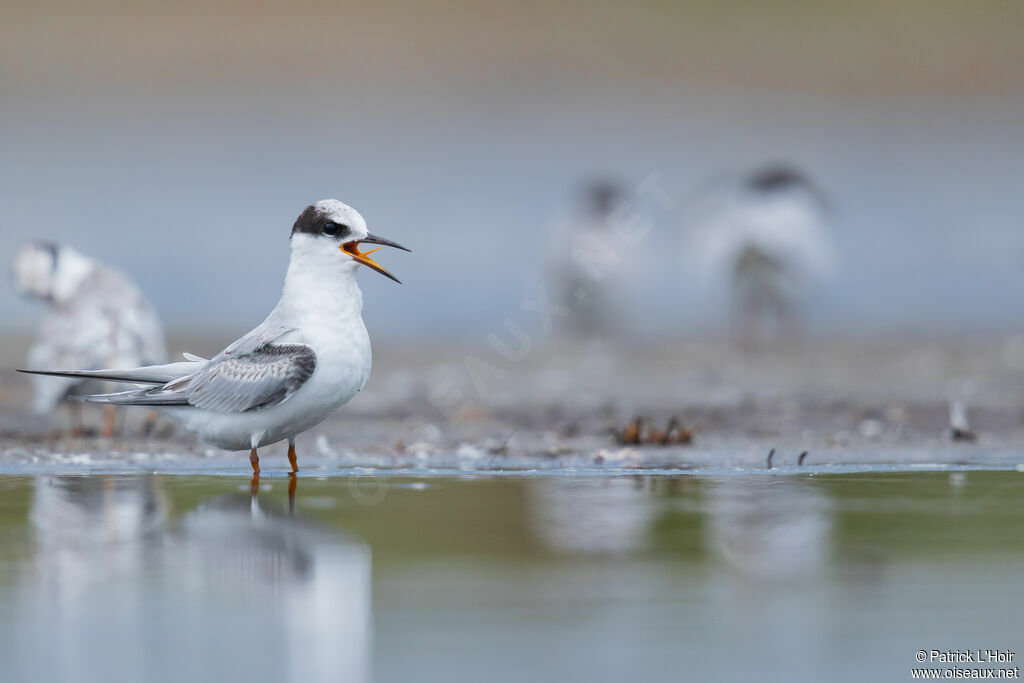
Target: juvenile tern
x=765, y=237
x=309, y=357
x=583, y=283
x=96, y=319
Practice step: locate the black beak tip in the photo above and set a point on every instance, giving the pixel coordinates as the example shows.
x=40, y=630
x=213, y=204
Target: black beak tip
x=374, y=239
x=385, y=273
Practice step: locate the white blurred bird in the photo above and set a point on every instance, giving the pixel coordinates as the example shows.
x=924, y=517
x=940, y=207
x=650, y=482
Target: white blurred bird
x=764, y=239
x=582, y=267
x=309, y=357
x=97, y=319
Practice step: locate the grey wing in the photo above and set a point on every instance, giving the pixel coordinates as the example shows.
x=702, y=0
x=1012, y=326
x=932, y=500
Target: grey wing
x=235, y=383
x=263, y=377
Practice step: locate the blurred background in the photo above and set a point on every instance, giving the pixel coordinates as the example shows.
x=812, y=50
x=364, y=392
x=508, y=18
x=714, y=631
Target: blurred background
x=839, y=180
x=179, y=141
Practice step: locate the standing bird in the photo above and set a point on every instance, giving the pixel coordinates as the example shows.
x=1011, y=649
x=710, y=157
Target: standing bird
x=584, y=255
x=309, y=357
x=97, y=319
x=765, y=239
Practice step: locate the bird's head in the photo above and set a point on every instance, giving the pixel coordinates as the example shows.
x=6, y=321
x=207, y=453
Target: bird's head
x=47, y=271
x=331, y=225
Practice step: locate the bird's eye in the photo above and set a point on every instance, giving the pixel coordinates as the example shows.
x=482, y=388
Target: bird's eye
x=332, y=229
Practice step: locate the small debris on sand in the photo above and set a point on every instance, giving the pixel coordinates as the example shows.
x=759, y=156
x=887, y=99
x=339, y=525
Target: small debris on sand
x=641, y=432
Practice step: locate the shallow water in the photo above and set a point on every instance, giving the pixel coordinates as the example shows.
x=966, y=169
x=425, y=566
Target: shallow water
x=642, y=577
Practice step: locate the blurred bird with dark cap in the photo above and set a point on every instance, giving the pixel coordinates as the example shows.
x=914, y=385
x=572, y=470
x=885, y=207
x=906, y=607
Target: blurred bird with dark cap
x=764, y=239
x=583, y=262
x=96, y=318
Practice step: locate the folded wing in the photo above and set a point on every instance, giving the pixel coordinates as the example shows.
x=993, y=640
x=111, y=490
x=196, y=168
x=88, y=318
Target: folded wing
x=264, y=377
x=231, y=383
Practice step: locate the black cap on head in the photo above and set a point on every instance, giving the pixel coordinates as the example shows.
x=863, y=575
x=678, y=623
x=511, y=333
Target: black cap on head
x=310, y=221
x=602, y=195
x=775, y=178
x=781, y=178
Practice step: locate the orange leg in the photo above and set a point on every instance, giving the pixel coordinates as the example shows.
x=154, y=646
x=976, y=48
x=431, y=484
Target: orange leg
x=292, y=458
x=254, y=485
x=292, y=483
x=254, y=460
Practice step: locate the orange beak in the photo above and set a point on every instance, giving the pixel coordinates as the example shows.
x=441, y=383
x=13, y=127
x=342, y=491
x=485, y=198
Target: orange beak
x=363, y=258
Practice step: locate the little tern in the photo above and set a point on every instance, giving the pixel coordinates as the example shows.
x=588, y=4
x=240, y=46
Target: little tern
x=309, y=357
x=96, y=319
x=766, y=237
x=581, y=274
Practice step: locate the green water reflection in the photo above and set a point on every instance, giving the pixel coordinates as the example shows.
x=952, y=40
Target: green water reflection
x=507, y=578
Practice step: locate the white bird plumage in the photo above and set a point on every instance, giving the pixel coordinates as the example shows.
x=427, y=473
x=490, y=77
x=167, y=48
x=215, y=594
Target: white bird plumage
x=582, y=268
x=96, y=319
x=784, y=217
x=763, y=238
x=309, y=357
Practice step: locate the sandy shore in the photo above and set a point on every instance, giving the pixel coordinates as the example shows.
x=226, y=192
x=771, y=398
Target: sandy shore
x=560, y=407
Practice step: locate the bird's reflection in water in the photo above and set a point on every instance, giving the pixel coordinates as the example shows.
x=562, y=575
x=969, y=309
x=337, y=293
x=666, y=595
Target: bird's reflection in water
x=254, y=491
x=773, y=535
x=776, y=530
x=235, y=588
x=610, y=517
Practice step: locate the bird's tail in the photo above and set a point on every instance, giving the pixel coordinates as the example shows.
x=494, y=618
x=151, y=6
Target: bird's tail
x=151, y=374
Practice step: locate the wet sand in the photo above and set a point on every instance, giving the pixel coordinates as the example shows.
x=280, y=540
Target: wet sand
x=560, y=407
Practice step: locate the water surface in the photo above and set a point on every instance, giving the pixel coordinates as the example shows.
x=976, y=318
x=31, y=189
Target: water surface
x=807, y=576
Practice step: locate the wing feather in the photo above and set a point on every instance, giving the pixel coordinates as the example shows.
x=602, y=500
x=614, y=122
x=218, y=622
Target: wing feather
x=231, y=383
x=266, y=376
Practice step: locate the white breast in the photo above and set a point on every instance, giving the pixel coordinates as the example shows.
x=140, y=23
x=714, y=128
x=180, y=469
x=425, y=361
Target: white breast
x=322, y=305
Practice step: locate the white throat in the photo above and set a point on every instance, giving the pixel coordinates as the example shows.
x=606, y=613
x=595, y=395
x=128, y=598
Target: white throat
x=321, y=282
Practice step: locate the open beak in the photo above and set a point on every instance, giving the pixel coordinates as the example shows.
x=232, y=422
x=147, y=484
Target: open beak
x=363, y=257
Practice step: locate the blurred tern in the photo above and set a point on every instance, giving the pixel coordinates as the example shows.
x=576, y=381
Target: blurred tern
x=97, y=319
x=765, y=237
x=308, y=358
x=580, y=260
